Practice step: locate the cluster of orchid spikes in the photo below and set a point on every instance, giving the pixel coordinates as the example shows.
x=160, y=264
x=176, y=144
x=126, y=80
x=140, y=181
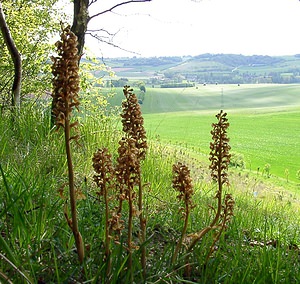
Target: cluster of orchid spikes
x=219, y=157
x=123, y=182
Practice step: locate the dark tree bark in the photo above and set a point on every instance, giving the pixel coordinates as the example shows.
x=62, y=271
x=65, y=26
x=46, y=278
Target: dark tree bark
x=16, y=57
x=81, y=18
x=80, y=22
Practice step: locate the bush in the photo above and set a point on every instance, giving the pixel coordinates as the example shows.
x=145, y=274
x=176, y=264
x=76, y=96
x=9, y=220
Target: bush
x=237, y=160
x=177, y=85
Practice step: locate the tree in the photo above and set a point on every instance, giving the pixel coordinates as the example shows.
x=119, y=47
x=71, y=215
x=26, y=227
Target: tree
x=32, y=26
x=16, y=58
x=81, y=18
x=142, y=88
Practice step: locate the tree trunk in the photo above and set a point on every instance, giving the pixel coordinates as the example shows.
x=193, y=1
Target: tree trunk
x=80, y=22
x=81, y=18
x=16, y=57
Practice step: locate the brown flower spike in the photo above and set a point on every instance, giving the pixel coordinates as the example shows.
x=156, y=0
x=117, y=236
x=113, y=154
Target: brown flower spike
x=182, y=183
x=219, y=149
x=220, y=158
x=65, y=98
x=132, y=151
x=133, y=121
x=104, y=178
x=102, y=164
x=66, y=79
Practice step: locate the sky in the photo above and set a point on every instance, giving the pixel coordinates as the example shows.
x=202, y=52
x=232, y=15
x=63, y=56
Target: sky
x=193, y=27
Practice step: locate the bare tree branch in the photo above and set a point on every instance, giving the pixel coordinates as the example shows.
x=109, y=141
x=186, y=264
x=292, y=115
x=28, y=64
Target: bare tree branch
x=102, y=30
x=102, y=39
x=92, y=2
x=117, y=5
x=81, y=18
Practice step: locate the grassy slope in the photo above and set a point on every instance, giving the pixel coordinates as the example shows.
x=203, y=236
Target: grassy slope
x=36, y=238
x=264, y=121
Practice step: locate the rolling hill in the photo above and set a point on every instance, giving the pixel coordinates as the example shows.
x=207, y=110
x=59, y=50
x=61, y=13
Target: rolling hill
x=210, y=68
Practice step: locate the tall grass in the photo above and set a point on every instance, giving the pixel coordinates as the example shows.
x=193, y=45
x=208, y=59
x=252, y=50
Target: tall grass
x=261, y=244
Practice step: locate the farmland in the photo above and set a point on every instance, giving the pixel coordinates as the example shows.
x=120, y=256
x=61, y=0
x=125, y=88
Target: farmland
x=264, y=121
x=221, y=68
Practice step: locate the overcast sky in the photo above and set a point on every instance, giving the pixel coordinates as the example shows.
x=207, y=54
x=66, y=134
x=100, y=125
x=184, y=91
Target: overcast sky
x=192, y=27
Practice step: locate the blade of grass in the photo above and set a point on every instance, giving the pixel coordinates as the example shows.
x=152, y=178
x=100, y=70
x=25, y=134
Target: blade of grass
x=16, y=268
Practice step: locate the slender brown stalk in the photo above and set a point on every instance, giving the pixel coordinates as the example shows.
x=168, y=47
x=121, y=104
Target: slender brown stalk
x=65, y=98
x=127, y=173
x=133, y=121
x=104, y=178
x=220, y=158
x=225, y=219
x=72, y=193
x=182, y=182
x=129, y=234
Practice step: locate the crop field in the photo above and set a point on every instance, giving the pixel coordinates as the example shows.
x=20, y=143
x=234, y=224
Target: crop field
x=264, y=122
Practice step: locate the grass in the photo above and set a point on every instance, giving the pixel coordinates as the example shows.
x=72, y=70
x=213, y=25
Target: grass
x=213, y=97
x=261, y=245
x=263, y=121
x=262, y=138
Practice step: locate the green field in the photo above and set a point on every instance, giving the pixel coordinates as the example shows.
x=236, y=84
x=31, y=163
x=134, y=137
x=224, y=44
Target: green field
x=264, y=121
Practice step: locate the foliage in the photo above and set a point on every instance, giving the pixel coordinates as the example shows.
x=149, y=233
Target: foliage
x=120, y=82
x=237, y=160
x=33, y=24
x=92, y=98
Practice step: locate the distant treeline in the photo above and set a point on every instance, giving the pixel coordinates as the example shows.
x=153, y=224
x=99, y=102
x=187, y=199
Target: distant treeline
x=150, y=61
x=232, y=60
x=177, y=85
x=235, y=60
x=212, y=68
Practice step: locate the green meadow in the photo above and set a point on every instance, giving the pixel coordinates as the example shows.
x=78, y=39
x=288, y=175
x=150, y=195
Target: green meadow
x=264, y=122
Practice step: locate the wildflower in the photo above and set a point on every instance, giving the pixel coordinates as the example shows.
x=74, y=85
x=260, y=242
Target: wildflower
x=219, y=154
x=66, y=79
x=133, y=121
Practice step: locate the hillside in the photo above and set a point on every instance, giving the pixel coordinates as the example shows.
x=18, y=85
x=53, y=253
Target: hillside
x=210, y=68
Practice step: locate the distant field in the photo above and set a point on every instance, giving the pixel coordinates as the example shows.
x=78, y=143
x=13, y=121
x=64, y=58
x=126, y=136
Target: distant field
x=262, y=138
x=214, y=97
x=264, y=121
